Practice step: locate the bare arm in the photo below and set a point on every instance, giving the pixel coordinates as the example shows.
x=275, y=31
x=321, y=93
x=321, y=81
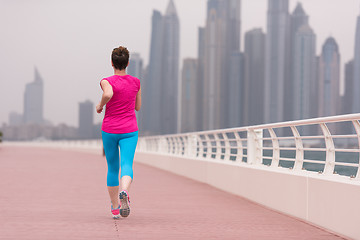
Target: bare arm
x=138, y=100
x=106, y=96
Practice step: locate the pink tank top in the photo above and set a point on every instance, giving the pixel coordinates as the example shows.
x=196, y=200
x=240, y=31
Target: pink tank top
x=120, y=110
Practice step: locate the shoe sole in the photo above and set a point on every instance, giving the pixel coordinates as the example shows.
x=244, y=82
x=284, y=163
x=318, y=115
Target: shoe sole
x=124, y=209
x=116, y=216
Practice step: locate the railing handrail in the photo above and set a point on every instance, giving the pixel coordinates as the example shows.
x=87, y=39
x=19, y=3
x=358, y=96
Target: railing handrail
x=338, y=118
x=311, y=121
x=246, y=144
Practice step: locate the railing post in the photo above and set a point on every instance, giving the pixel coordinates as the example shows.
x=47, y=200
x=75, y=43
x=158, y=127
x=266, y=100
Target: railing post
x=218, y=146
x=227, y=147
x=356, y=125
x=201, y=146
x=275, y=148
x=191, y=146
x=240, y=148
x=330, y=150
x=254, y=146
x=299, y=157
x=163, y=145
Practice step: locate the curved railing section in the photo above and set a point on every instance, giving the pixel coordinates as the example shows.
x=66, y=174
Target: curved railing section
x=329, y=145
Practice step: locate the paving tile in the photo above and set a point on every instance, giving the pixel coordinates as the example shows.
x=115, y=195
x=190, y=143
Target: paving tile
x=58, y=194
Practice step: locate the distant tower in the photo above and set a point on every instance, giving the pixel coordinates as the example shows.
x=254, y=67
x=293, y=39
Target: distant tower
x=347, y=103
x=189, y=92
x=152, y=89
x=297, y=19
x=254, y=77
x=356, y=87
x=170, y=70
x=161, y=82
x=329, y=82
x=304, y=67
x=86, y=119
x=277, y=59
x=236, y=90
x=221, y=40
x=34, y=101
x=200, y=72
x=135, y=67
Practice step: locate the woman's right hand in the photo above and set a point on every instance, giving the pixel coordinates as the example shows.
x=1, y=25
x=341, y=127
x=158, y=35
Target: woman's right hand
x=99, y=109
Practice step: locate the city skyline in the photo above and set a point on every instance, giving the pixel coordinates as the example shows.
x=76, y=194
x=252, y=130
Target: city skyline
x=60, y=74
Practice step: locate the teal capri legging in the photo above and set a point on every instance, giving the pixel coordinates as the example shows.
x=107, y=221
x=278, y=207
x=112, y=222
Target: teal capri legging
x=127, y=143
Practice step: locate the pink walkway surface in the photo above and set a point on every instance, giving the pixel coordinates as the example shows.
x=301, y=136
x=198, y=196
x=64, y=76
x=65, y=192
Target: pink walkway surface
x=58, y=194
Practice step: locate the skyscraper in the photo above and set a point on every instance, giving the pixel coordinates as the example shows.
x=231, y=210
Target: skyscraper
x=200, y=72
x=189, y=91
x=254, y=77
x=86, y=119
x=356, y=87
x=170, y=70
x=277, y=65
x=235, y=91
x=34, y=101
x=329, y=82
x=135, y=67
x=222, y=38
x=297, y=19
x=347, y=98
x=304, y=67
x=161, y=83
x=347, y=102
x=152, y=90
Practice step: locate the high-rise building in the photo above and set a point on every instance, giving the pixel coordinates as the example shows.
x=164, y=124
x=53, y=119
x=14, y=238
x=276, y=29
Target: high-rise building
x=170, y=70
x=222, y=38
x=200, y=72
x=347, y=99
x=304, y=67
x=297, y=19
x=135, y=67
x=152, y=91
x=235, y=92
x=161, y=82
x=329, y=82
x=86, y=119
x=34, y=101
x=277, y=64
x=315, y=90
x=189, y=91
x=356, y=87
x=254, y=77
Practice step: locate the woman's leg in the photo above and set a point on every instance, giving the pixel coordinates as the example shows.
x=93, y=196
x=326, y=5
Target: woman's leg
x=127, y=145
x=111, y=148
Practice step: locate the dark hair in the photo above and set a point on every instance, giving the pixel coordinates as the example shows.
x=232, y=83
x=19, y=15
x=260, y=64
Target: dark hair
x=120, y=57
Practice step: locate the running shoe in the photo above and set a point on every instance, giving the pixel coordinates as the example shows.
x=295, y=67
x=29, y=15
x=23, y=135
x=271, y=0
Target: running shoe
x=115, y=212
x=124, y=203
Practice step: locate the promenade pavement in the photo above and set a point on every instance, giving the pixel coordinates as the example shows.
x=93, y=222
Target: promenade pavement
x=59, y=194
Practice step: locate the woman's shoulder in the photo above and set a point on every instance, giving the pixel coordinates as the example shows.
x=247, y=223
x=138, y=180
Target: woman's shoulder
x=135, y=79
x=131, y=76
x=110, y=77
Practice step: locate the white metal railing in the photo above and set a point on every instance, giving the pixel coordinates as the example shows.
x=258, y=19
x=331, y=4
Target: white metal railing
x=329, y=145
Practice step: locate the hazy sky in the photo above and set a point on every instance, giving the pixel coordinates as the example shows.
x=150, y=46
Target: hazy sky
x=70, y=42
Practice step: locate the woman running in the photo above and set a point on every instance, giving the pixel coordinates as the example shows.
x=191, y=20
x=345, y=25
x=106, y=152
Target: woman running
x=122, y=96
